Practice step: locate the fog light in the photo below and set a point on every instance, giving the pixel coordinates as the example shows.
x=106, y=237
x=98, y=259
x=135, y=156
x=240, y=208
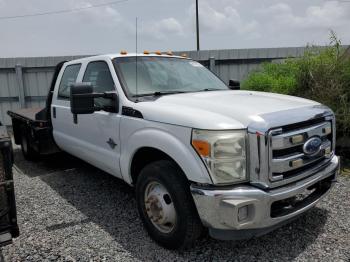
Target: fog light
x=327, y=152
x=243, y=213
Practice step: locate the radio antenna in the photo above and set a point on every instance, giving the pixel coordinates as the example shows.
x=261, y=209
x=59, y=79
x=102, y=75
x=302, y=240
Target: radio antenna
x=136, y=63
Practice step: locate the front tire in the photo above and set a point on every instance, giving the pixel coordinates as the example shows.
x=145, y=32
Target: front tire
x=166, y=206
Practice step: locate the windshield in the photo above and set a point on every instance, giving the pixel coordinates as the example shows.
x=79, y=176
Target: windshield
x=164, y=75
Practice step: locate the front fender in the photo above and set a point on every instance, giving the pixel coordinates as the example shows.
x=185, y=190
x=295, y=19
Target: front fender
x=183, y=154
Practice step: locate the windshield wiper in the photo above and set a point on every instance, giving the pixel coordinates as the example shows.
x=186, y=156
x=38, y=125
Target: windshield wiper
x=159, y=93
x=210, y=89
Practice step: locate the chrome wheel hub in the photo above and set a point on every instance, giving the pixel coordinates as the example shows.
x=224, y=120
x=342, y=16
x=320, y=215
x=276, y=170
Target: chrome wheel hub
x=160, y=207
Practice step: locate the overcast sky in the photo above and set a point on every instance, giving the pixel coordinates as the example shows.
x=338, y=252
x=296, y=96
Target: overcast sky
x=167, y=25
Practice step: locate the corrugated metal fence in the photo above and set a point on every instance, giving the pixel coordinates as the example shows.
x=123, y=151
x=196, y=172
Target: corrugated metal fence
x=24, y=82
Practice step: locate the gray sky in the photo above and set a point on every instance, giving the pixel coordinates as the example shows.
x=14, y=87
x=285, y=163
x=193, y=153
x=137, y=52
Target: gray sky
x=168, y=25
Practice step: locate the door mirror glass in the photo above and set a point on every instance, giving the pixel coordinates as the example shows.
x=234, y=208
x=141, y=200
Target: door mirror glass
x=234, y=84
x=82, y=98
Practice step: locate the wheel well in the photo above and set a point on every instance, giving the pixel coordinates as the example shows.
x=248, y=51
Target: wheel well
x=143, y=157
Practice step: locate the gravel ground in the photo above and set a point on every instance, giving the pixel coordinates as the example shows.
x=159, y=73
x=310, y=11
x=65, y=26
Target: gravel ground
x=70, y=211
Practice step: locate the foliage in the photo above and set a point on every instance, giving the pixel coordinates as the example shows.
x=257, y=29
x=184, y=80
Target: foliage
x=321, y=74
x=277, y=78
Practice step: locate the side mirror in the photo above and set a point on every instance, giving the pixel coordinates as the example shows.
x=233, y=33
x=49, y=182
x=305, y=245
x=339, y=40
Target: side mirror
x=82, y=98
x=234, y=84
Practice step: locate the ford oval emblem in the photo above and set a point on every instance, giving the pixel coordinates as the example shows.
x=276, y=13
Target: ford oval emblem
x=312, y=146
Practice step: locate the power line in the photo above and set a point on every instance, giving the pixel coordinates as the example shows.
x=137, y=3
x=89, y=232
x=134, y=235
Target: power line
x=62, y=11
x=339, y=1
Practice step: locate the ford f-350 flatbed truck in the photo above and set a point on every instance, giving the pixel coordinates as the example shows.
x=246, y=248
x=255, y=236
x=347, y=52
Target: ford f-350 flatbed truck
x=199, y=154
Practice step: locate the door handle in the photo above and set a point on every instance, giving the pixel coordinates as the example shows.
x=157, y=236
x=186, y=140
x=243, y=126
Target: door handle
x=54, y=112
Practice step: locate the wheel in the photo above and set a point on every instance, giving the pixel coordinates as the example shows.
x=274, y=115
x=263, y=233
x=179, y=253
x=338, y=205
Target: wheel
x=27, y=150
x=166, y=206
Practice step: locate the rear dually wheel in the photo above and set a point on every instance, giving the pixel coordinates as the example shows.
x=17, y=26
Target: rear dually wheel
x=28, y=151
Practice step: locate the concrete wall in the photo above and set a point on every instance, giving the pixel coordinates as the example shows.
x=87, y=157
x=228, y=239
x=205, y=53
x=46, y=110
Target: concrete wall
x=24, y=82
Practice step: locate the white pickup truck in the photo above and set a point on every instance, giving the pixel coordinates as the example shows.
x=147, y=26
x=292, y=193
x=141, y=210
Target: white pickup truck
x=200, y=154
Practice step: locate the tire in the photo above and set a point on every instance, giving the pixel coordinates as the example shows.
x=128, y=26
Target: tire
x=27, y=150
x=166, y=180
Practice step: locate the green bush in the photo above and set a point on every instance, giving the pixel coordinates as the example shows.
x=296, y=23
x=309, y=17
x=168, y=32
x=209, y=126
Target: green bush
x=277, y=78
x=321, y=74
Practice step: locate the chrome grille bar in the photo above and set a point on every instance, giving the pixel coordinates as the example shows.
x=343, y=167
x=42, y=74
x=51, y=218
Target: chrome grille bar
x=287, y=160
x=283, y=141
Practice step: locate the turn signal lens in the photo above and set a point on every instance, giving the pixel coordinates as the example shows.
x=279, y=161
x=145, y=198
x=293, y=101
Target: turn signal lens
x=202, y=147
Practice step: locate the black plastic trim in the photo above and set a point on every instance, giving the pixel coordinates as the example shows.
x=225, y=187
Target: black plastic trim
x=129, y=111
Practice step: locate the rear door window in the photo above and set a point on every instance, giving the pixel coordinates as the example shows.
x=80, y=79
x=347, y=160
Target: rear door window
x=69, y=77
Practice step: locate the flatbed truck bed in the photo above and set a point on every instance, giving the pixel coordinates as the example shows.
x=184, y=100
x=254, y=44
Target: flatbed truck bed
x=27, y=114
x=32, y=128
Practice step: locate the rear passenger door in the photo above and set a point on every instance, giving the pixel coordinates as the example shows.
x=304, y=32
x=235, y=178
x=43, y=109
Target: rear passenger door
x=61, y=117
x=95, y=137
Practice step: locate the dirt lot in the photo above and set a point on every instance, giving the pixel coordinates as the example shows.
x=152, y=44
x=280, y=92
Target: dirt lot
x=70, y=211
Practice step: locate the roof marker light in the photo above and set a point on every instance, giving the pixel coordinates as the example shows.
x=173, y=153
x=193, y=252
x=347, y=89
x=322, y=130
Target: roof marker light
x=169, y=53
x=158, y=53
x=123, y=52
x=146, y=52
x=184, y=55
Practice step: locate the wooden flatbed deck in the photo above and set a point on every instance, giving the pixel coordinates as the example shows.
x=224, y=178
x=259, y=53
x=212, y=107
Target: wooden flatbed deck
x=26, y=114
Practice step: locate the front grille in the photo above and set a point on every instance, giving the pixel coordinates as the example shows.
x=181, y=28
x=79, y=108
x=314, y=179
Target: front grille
x=287, y=159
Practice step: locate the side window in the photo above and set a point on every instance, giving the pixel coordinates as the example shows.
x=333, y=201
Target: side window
x=98, y=74
x=69, y=77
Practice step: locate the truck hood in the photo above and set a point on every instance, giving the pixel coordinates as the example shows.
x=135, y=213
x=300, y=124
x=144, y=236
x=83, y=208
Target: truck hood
x=229, y=109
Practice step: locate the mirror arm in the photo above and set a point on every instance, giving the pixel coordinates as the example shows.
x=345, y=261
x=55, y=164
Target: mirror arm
x=110, y=95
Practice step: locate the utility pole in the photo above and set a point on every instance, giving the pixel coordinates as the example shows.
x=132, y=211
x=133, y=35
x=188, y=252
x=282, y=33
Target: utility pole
x=197, y=25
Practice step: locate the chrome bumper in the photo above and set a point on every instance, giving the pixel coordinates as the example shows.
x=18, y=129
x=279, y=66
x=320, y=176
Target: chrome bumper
x=219, y=208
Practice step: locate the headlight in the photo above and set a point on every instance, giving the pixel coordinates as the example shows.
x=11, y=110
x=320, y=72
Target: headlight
x=224, y=153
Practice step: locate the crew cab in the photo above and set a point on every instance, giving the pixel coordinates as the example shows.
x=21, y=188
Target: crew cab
x=200, y=154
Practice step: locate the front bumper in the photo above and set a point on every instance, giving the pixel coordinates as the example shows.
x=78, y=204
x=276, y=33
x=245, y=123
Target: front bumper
x=244, y=211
